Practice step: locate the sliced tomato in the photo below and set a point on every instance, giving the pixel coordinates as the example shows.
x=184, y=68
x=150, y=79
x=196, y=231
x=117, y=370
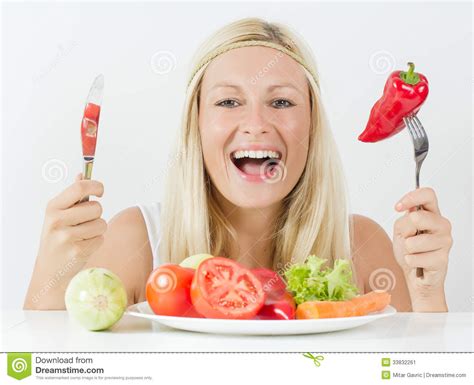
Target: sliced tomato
x=279, y=303
x=222, y=288
x=168, y=291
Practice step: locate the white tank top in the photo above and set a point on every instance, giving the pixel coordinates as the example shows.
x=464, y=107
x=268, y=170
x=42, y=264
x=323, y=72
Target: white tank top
x=151, y=215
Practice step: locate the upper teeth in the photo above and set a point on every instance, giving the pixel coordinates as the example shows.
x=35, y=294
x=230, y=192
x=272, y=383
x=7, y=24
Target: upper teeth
x=256, y=154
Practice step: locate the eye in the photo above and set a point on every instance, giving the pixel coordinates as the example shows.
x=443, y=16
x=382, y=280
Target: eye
x=221, y=104
x=286, y=103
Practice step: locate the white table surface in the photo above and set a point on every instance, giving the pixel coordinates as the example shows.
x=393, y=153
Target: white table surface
x=54, y=331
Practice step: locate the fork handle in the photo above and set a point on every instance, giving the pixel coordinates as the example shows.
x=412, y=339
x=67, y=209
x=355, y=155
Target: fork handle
x=419, y=270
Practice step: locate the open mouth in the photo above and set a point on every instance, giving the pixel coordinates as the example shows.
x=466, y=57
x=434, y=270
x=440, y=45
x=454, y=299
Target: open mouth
x=256, y=163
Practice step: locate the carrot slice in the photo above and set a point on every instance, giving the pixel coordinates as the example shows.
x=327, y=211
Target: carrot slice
x=370, y=302
x=357, y=306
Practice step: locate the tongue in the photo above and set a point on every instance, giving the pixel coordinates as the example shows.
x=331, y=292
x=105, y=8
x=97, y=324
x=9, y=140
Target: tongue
x=254, y=166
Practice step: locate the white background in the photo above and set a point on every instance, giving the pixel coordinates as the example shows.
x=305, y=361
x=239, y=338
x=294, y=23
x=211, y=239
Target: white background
x=51, y=53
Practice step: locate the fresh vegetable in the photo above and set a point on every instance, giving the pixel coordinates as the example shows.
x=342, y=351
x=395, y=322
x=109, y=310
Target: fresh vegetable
x=96, y=298
x=272, y=283
x=279, y=303
x=309, y=281
x=403, y=95
x=282, y=308
x=373, y=301
x=357, y=306
x=168, y=291
x=89, y=126
x=222, y=288
x=194, y=261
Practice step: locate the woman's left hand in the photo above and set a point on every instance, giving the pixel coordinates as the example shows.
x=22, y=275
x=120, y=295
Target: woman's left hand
x=428, y=250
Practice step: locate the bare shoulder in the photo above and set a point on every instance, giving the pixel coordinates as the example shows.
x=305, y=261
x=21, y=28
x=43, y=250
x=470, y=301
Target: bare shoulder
x=131, y=218
x=374, y=262
x=126, y=251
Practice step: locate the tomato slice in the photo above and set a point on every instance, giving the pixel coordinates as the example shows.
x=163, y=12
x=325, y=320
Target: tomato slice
x=89, y=127
x=222, y=288
x=168, y=291
x=279, y=303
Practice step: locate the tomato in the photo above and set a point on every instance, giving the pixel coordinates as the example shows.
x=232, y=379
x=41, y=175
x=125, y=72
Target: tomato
x=89, y=127
x=279, y=304
x=272, y=283
x=168, y=291
x=222, y=288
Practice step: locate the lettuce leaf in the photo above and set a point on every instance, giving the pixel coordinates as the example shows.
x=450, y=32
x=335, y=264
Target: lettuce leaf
x=309, y=281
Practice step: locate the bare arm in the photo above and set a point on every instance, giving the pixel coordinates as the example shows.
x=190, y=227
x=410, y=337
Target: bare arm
x=74, y=238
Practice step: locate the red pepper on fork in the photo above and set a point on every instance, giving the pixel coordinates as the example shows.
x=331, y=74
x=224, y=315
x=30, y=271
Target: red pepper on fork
x=403, y=95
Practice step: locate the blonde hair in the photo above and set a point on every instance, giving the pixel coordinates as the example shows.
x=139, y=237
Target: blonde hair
x=314, y=217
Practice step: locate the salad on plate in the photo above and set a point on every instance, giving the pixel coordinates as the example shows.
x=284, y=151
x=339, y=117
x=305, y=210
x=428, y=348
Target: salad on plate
x=220, y=288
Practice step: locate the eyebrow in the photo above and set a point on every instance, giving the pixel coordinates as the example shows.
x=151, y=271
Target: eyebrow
x=269, y=88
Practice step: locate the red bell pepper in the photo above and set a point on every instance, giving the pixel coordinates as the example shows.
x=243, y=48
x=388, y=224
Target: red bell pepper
x=403, y=95
x=279, y=303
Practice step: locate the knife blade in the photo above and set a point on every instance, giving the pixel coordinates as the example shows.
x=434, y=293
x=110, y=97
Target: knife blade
x=90, y=126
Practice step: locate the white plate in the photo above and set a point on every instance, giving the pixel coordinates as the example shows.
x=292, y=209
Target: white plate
x=258, y=327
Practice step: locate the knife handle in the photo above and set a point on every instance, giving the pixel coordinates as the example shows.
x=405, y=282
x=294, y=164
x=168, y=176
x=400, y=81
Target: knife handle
x=88, y=163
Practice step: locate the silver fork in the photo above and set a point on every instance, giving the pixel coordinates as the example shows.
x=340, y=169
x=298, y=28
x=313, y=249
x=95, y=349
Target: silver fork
x=421, y=146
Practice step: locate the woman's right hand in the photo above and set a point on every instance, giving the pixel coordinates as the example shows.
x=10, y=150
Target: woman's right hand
x=72, y=231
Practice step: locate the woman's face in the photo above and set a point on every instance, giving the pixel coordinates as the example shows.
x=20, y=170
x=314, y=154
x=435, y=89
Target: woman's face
x=254, y=121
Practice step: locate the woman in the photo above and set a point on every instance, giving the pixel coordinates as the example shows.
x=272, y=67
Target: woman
x=258, y=179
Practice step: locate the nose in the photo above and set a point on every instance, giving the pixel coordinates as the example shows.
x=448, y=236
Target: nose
x=255, y=121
